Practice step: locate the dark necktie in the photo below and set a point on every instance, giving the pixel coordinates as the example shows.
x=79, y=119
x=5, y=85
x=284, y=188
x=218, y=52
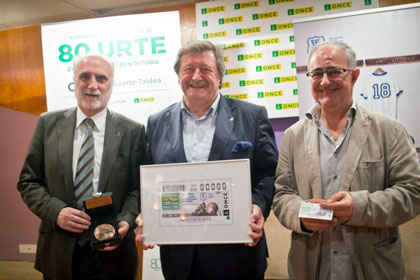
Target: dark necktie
x=83, y=181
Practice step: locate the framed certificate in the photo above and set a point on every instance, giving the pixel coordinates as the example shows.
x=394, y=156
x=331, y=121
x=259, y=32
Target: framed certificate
x=196, y=203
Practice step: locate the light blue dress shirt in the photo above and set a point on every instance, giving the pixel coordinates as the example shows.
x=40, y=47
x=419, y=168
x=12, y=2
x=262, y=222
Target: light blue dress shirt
x=198, y=132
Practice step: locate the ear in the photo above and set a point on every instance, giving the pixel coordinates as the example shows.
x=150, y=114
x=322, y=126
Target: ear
x=354, y=75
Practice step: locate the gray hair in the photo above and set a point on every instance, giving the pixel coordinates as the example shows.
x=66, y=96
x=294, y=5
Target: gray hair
x=348, y=51
x=198, y=47
x=105, y=58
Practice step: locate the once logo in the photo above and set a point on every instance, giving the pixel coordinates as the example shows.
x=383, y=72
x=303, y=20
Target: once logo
x=155, y=264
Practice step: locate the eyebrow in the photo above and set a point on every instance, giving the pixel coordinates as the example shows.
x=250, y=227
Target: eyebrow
x=101, y=76
x=329, y=67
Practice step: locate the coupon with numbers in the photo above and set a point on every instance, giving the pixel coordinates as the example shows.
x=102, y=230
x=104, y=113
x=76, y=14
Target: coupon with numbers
x=196, y=202
x=314, y=211
x=206, y=202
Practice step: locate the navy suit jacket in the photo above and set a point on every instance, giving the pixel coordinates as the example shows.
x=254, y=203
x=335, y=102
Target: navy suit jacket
x=236, y=121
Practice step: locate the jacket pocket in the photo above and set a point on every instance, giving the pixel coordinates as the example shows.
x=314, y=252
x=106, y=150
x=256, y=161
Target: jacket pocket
x=370, y=175
x=381, y=237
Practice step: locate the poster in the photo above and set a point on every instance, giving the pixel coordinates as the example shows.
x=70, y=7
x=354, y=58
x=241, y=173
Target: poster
x=143, y=48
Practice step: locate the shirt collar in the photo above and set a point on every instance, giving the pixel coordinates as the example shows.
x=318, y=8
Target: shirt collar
x=210, y=113
x=315, y=112
x=99, y=119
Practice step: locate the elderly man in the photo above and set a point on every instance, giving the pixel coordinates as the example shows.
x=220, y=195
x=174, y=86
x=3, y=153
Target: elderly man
x=56, y=179
x=205, y=126
x=360, y=164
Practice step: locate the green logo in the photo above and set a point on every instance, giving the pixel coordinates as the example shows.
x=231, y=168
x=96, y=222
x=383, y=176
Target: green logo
x=221, y=21
x=205, y=23
x=241, y=83
x=259, y=68
x=136, y=100
x=368, y=2
x=273, y=27
x=279, y=106
x=290, y=12
x=276, y=80
x=327, y=7
x=257, y=42
x=295, y=91
x=203, y=11
x=155, y=264
x=292, y=38
x=261, y=94
x=275, y=53
x=170, y=201
x=238, y=31
x=254, y=16
x=293, y=65
x=205, y=35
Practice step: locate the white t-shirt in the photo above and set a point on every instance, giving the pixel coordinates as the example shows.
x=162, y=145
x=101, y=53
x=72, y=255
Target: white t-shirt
x=380, y=93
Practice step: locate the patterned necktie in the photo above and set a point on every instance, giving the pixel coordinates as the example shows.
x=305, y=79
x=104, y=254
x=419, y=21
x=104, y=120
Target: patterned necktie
x=83, y=182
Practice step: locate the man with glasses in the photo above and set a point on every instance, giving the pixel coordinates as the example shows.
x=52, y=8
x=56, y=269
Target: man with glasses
x=360, y=164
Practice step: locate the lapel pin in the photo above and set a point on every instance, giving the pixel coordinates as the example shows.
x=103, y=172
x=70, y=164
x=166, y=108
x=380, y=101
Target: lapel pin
x=231, y=119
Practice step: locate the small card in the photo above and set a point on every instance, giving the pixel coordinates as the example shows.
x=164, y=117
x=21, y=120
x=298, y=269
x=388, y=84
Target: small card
x=314, y=211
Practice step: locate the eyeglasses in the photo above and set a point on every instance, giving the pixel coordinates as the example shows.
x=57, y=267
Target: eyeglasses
x=332, y=73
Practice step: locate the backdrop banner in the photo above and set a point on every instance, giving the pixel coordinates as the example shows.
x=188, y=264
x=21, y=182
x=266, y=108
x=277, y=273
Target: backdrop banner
x=258, y=40
x=143, y=48
x=387, y=47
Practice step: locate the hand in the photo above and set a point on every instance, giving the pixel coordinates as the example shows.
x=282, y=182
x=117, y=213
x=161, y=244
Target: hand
x=139, y=236
x=256, y=224
x=342, y=204
x=123, y=227
x=73, y=220
x=316, y=224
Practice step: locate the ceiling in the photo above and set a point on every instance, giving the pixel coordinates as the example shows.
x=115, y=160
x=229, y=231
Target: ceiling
x=18, y=13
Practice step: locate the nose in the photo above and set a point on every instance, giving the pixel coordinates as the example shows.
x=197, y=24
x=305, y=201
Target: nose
x=325, y=79
x=196, y=75
x=93, y=84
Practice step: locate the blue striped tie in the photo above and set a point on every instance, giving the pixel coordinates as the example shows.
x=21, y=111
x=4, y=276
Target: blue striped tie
x=83, y=182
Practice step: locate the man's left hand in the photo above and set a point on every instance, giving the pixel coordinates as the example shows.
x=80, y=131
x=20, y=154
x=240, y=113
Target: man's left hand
x=123, y=227
x=256, y=224
x=342, y=205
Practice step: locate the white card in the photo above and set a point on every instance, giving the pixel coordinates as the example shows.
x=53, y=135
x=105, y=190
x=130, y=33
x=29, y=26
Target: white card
x=314, y=211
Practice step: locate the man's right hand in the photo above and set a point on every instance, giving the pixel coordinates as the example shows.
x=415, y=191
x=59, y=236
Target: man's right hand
x=73, y=220
x=139, y=235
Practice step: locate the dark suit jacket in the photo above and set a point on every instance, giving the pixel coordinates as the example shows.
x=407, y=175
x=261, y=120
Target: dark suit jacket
x=46, y=182
x=236, y=121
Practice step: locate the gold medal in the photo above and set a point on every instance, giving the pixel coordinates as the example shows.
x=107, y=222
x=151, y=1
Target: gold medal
x=104, y=232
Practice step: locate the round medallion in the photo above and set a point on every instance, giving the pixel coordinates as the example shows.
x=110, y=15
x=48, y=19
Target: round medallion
x=104, y=232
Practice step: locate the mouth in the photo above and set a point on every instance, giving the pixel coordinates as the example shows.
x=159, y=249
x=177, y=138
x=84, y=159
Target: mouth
x=91, y=93
x=328, y=90
x=200, y=84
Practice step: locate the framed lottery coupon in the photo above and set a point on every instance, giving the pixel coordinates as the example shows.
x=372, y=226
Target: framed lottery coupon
x=196, y=203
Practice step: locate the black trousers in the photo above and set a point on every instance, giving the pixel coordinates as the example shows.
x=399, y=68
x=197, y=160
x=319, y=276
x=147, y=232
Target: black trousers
x=119, y=264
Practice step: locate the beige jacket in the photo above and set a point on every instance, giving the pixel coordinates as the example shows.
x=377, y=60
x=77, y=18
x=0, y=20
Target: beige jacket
x=382, y=173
